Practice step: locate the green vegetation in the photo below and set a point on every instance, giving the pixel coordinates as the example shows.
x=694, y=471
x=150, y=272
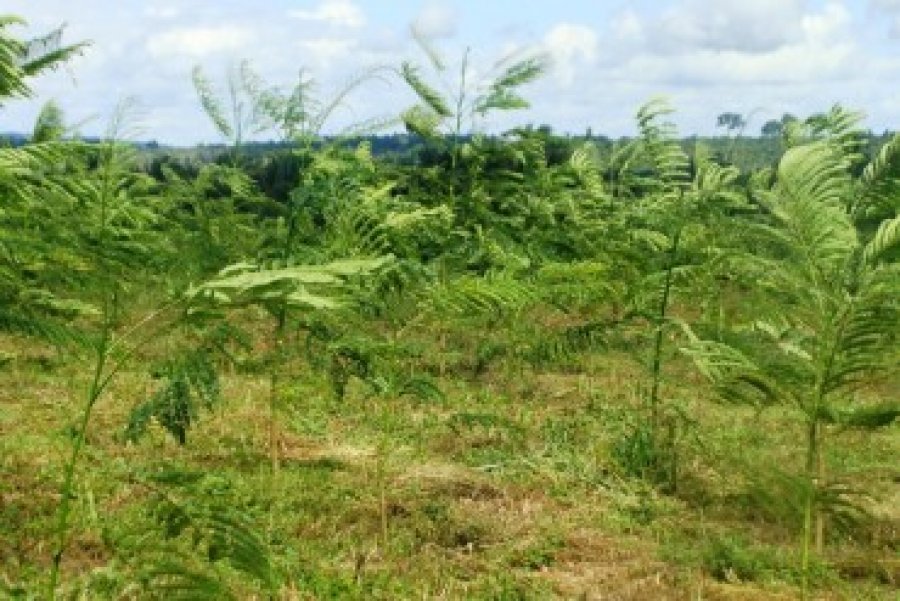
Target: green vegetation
x=514, y=367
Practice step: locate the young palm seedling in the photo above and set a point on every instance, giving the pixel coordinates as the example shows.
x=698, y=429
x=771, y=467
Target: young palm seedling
x=833, y=318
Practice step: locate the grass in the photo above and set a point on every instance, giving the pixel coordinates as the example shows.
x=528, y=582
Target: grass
x=508, y=487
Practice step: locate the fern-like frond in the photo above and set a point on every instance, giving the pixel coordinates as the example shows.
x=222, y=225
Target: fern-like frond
x=501, y=93
x=886, y=238
x=473, y=296
x=171, y=579
x=736, y=377
x=815, y=171
x=211, y=102
x=430, y=97
x=878, y=190
x=586, y=165
x=658, y=143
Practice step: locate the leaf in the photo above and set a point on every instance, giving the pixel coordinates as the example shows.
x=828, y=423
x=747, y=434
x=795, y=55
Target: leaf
x=430, y=97
x=170, y=579
x=886, y=238
x=421, y=121
x=211, y=102
x=872, y=417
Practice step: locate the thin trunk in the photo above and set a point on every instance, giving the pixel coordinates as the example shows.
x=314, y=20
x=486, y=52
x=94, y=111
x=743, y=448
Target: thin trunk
x=656, y=369
x=273, y=427
x=67, y=491
x=810, y=511
x=820, y=481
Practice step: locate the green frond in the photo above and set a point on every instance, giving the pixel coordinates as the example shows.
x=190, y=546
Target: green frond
x=572, y=341
x=886, y=238
x=871, y=417
x=865, y=336
x=840, y=128
x=659, y=145
x=50, y=124
x=422, y=121
x=21, y=60
x=170, y=579
x=522, y=72
x=211, y=102
x=191, y=384
x=313, y=286
x=878, y=190
x=586, y=165
x=472, y=296
x=195, y=507
x=737, y=378
x=815, y=171
x=430, y=97
x=501, y=93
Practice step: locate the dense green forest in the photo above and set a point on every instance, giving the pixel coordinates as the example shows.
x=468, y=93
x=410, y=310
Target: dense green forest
x=441, y=364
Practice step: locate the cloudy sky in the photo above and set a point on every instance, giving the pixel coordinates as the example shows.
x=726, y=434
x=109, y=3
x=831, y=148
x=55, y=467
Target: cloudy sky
x=759, y=57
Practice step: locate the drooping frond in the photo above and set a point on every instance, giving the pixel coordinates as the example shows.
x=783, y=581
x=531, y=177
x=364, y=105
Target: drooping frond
x=313, y=286
x=840, y=128
x=501, y=93
x=50, y=124
x=586, y=165
x=421, y=121
x=878, y=190
x=659, y=145
x=476, y=296
x=736, y=377
x=211, y=102
x=191, y=384
x=48, y=52
x=814, y=171
x=430, y=97
x=194, y=507
x=886, y=238
x=20, y=60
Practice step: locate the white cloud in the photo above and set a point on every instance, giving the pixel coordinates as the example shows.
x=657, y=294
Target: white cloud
x=827, y=25
x=437, y=20
x=627, y=26
x=710, y=57
x=162, y=12
x=569, y=45
x=887, y=5
x=814, y=46
x=198, y=42
x=340, y=13
x=757, y=26
x=326, y=50
x=892, y=10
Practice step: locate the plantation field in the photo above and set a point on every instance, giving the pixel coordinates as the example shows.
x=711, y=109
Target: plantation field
x=517, y=483
x=521, y=366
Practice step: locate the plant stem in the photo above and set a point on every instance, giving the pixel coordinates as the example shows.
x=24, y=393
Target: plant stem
x=812, y=458
x=65, y=506
x=656, y=368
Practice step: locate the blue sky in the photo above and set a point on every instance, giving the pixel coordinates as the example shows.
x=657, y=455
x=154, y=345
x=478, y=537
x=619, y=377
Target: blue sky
x=764, y=57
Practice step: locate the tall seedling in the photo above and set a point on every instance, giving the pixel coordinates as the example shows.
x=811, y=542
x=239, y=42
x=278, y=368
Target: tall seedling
x=678, y=219
x=115, y=232
x=833, y=319
x=438, y=117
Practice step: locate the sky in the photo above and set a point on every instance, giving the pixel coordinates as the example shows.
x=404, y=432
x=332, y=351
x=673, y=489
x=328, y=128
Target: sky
x=760, y=58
